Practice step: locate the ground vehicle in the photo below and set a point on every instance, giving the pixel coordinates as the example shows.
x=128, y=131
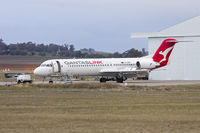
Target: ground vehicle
x=24, y=79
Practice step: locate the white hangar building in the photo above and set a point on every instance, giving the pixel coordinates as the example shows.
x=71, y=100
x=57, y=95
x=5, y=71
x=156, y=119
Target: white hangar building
x=184, y=62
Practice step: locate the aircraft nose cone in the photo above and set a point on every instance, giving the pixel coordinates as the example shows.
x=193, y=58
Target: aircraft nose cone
x=42, y=71
x=36, y=71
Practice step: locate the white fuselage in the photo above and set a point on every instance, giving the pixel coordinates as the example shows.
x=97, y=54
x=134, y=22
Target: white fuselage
x=94, y=67
x=85, y=67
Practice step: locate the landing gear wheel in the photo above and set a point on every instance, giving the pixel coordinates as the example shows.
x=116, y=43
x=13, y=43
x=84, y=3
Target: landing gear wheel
x=120, y=80
x=102, y=80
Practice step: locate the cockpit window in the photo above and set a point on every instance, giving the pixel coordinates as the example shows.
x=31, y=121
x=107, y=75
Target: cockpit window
x=43, y=65
x=46, y=65
x=49, y=65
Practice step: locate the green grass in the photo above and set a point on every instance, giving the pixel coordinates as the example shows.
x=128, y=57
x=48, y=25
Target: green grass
x=99, y=108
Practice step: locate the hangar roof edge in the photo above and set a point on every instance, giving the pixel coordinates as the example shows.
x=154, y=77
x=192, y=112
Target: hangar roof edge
x=160, y=35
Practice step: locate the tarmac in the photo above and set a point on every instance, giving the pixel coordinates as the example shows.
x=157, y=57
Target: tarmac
x=162, y=82
x=128, y=82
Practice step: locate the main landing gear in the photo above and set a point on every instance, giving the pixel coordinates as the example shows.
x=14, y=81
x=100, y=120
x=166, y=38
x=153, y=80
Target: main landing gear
x=117, y=79
x=103, y=80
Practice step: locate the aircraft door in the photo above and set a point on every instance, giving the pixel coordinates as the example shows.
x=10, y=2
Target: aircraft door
x=56, y=67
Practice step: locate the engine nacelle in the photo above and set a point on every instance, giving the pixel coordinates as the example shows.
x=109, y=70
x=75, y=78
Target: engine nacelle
x=146, y=64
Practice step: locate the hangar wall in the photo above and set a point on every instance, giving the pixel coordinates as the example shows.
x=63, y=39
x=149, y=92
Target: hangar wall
x=184, y=62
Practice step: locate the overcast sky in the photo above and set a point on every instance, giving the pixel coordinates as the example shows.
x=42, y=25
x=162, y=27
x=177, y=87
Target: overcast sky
x=104, y=25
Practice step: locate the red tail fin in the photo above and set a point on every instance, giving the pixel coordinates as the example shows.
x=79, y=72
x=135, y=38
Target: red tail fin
x=162, y=54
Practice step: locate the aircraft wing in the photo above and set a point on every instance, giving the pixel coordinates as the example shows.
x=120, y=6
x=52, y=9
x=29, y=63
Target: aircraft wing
x=124, y=71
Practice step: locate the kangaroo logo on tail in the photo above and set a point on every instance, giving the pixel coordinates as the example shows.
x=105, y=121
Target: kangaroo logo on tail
x=164, y=51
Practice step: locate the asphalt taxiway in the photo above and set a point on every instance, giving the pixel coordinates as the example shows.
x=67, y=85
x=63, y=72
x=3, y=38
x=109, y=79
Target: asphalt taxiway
x=162, y=82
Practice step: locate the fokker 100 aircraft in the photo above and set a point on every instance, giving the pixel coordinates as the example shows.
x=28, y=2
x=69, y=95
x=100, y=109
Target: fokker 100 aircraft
x=118, y=69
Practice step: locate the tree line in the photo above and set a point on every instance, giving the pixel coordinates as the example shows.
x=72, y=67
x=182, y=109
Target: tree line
x=66, y=50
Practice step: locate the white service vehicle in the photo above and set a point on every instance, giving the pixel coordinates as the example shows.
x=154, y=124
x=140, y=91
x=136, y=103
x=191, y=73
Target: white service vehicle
x=24, y=79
